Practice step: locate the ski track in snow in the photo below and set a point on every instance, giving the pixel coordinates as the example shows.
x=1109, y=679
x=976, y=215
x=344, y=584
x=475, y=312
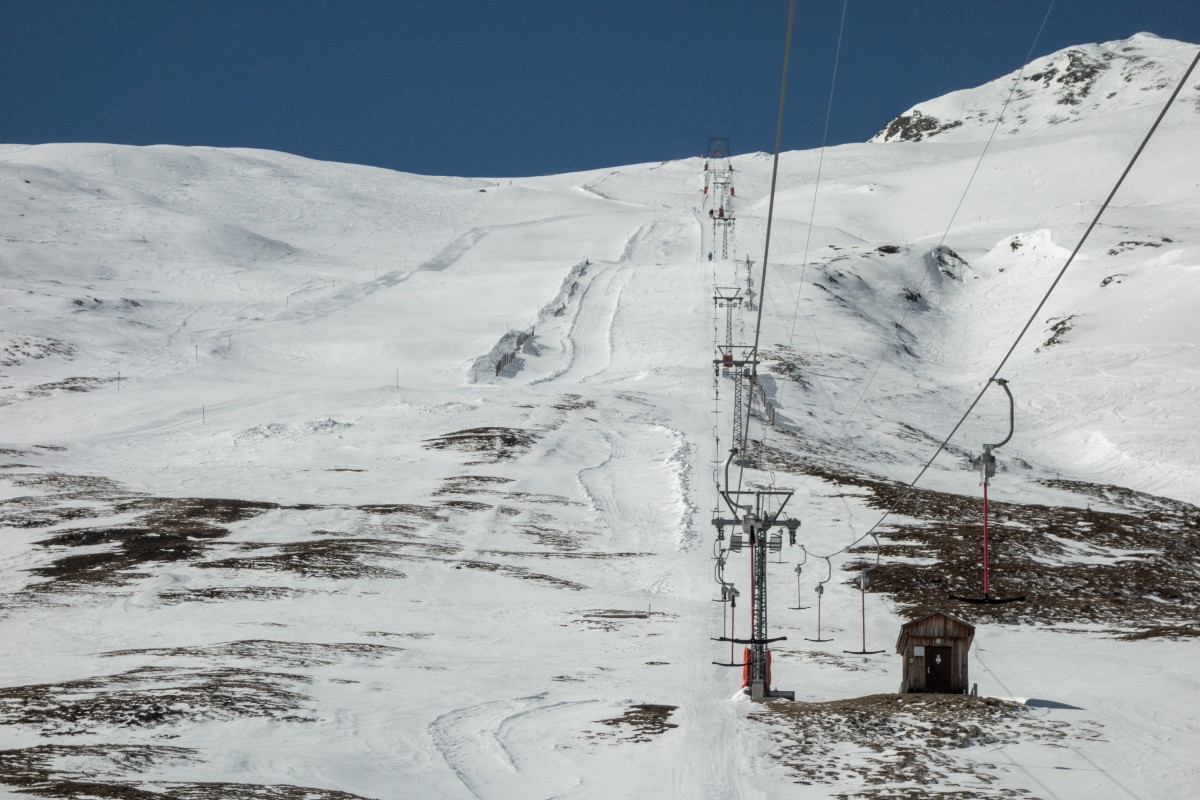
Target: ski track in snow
x=591, y=335
x=589, y=343
x=484, y=745
x=617, y=487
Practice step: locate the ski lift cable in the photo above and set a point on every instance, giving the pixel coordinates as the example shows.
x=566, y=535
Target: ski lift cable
x=962, y=198
x=1032, y=317
x=820, y=165
x=753, y=356
x=771, y=207
x=762, y=287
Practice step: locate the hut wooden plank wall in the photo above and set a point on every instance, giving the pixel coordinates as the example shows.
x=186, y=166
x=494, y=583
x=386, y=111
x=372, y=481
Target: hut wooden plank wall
x=934, y=650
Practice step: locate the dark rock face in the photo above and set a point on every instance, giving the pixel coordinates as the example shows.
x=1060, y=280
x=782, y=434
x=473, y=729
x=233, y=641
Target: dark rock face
x=915, y=126
x=1075, y=79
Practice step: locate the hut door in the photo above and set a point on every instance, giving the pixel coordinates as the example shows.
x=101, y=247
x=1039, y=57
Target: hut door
x=937, y=670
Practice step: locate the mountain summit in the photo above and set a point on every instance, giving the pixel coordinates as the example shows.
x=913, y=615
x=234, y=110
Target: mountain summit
x=1077, y=83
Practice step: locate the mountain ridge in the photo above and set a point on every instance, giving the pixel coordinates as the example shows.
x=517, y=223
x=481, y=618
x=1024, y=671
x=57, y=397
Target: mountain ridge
x=1073, y=84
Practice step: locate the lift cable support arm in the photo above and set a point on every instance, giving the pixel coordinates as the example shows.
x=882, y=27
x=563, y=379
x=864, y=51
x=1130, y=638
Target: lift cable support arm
x=986, y=464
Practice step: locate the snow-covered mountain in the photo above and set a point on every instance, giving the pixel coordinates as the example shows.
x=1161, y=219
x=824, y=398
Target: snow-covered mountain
x=1079, y=84
x=326, y=481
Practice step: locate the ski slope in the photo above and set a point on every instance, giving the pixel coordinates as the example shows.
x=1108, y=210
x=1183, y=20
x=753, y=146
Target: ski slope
x=313, y=538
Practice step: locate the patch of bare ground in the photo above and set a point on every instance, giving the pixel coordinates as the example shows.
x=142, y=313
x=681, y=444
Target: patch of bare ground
x=77, y=383
x=37, y=512
x=848, y=663
x=338, y=558
x=909, y=433
x=16, y=349
x=787, y=363
x=61, y=485
x=611, y=619
x=150, y=697
x=471, y=484
x=544, y=499
x=466, y=505
x=418, y=512
x=223, y=593
x=163, y=530
x=1162, y=632
x=639, y=723
x=574, y=402
x=492, y=444
x=156, y=530
x=560, y=554
x=1135, y=569
x=270, y=652
x=520, y=573
x=55, y=771
x=393, y=635
x=555, y=538
x=919, y=745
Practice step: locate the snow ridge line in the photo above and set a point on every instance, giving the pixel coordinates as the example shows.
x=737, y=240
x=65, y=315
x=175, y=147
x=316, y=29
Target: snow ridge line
x=681, y=461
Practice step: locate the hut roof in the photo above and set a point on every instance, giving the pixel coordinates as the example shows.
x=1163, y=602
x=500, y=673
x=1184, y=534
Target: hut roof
x=947, y=627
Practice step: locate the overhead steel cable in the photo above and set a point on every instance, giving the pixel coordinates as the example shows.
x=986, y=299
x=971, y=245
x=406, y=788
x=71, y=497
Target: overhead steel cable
x=787, y=53
x=1032, y=317
x=962, y=198
x=837, y=57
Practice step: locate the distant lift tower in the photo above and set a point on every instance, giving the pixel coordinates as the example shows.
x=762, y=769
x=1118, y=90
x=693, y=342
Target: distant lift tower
x=729, y=298
x=718, y=185
x=752, y=522
x=735, y=361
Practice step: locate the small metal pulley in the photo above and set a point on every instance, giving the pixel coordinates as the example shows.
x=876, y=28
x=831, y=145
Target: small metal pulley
x=985, y=463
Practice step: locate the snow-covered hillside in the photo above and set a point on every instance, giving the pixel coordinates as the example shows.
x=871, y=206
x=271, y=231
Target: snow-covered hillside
x=324, y=481
x=1088, y=83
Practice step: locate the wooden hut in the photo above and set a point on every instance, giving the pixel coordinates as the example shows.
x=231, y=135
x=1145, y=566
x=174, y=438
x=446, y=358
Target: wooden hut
x=934, y=649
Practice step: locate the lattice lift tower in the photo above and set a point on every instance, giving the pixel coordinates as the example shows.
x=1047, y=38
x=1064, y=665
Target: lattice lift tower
x=754, y=514
x=729, y=364
x=718, y=185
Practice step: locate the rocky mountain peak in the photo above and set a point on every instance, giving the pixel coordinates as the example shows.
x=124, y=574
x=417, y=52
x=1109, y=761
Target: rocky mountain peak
x=1077, y=83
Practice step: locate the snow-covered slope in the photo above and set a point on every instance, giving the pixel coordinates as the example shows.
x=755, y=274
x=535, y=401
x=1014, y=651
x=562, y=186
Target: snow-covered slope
x=1087, y=83
x=326, y=481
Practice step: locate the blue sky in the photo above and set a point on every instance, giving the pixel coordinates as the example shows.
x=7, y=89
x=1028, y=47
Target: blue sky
x=482, y=88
